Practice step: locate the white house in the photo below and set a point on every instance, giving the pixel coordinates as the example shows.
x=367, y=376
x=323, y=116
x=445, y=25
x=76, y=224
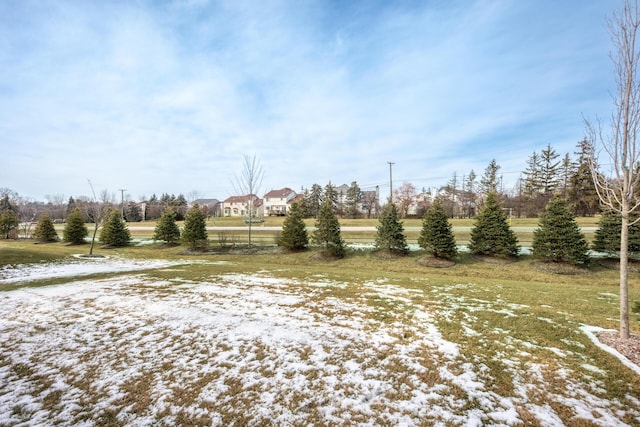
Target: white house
x=276, y=201
x=240, y=205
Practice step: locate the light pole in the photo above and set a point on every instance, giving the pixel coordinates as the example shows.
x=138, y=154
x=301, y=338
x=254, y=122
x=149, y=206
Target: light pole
x=122, y=190
x=390, y=182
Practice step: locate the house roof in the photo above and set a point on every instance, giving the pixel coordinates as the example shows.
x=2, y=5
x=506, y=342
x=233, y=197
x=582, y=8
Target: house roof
x=206, y=202
x=240, y=199
x=283, y=192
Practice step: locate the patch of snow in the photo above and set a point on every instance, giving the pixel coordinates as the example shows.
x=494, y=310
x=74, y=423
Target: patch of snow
x=79, y=267
x=590, y=331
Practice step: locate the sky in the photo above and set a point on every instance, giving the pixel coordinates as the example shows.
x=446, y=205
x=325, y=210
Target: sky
x=169, y=96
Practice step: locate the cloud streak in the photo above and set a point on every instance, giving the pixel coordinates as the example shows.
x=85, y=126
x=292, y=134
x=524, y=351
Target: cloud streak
x=168, y=96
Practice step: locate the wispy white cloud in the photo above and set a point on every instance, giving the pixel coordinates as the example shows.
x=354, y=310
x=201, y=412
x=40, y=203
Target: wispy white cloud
x=168, y=96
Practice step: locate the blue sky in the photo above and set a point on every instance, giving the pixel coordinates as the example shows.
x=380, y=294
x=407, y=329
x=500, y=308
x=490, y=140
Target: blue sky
x=162, y=96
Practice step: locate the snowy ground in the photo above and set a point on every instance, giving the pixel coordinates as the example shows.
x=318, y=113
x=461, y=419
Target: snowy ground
x=258, y=350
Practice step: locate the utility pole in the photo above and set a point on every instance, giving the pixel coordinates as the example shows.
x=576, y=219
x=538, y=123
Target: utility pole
x=122, y=190
x=390, y=182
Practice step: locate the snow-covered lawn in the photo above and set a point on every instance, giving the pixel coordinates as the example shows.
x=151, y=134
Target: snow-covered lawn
x=260, y=350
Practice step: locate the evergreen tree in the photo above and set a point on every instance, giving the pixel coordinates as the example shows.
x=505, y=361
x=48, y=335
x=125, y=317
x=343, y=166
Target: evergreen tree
x=532, y=185
x=390, y=235
x=71, y=205
x=8, y=223
x=550, y=171
x=607, y=235
x=132, y=212
x=354, y=196
x=331, y=195
x=436, y=236
x=75, y=229
x=166, y=228
x=294, y=232
x=9, y=218
x=582, y=195
x=45, y=231
x=194, y=233
x=115, y=232
x=327, y=232
x=558, y=237
x=491, y=234
x=314, y=200
x=490, y=180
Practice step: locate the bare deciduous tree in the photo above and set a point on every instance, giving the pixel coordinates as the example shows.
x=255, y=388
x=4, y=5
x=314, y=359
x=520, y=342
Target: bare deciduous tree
x=248, y=184
x=617, y=190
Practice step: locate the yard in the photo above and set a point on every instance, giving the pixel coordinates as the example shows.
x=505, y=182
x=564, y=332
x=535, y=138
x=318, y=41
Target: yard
x=240, y=340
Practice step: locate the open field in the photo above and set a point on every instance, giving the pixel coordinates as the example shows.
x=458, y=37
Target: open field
x=353, y=231
x=153, y=336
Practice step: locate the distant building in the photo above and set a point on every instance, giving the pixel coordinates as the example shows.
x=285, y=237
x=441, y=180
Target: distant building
x=276, y=202
x=211, y=207
x=241, y=205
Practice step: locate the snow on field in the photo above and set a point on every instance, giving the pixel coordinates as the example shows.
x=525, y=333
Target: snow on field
x=79, y=267
x=258, y=350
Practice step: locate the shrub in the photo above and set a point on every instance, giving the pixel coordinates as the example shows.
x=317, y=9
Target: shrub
x=436, y=236
x=45, y=231
x=294, y=232
x=115, y=232
x=390, y=235
x=75, y=229
x=194, y=233
x=558, y=237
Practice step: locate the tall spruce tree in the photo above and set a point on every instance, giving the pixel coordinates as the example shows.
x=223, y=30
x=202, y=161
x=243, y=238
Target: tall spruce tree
x=9, y=218
x=75, y=230
x=314, y=200
x=436, y=236
x=558, y=237
x=390, y=235
x=45, y=230
x=582, y=195
x=294, y=232
x=490, y=179
x=115, y=232
x=353, y=198
x=194, y=233
x=166, y=228
x=607, y=235
x=327, y=232
x=491, y=234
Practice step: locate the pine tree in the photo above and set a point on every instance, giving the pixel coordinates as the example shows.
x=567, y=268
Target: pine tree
x=354, y=196
x=9, y=217
x=194, y=233
x=327, y=232
x=490, y=180
x=132, y=212
x=550, y=171
x=491, y=234
x=294, y=232
x=607, y=235
x=390, y=235
x=558, y=237
x=45, y=231
x=114, y=232
x=71, y=205
x=436, y=236
x=166, y=228
x=583, y=195
x=75, y=230
x=314, y=200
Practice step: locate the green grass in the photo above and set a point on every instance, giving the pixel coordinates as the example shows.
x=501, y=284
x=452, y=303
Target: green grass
x=507, y=303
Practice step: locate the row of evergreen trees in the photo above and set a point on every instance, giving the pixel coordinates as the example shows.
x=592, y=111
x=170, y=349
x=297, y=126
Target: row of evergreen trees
x=558, y=237
x=114, y=232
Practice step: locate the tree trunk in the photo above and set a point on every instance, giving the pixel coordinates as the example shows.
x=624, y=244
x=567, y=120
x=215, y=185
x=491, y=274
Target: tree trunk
x=624, y=275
